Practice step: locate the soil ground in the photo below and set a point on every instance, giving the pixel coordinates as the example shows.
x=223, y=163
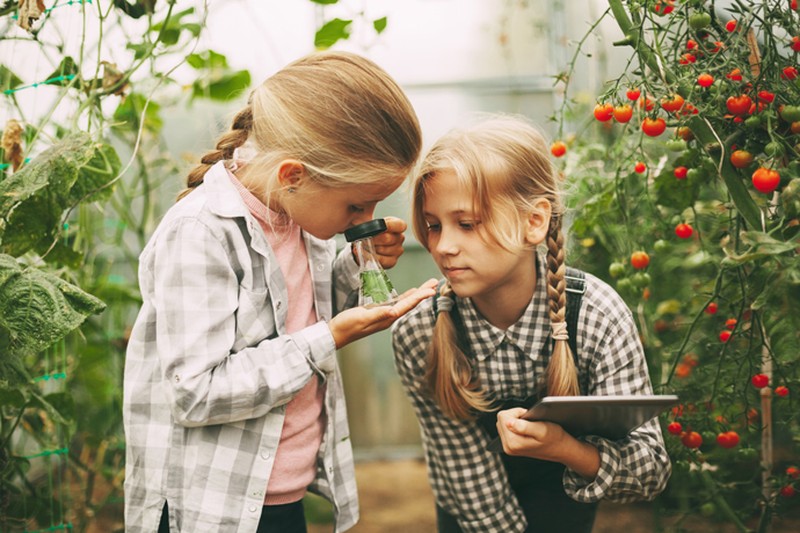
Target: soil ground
x=395, y=498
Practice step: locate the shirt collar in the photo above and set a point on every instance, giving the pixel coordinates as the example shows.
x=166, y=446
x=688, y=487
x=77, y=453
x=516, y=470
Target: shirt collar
x=530, y=334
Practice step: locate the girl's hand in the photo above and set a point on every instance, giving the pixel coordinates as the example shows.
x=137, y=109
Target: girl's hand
x=546, y=440
x=389, y=244
x=540, y=440
x=359, y=322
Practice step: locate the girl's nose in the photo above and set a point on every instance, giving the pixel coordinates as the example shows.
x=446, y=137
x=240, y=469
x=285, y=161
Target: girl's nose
x=446, y=244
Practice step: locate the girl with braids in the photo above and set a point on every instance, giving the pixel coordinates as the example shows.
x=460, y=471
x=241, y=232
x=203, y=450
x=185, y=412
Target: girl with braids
x=495, y=337
x=233, y=403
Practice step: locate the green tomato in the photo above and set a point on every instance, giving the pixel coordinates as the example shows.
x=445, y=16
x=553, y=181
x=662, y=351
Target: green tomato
x=699, y=20
x=753, y=122
x=676, y=145
x=773, y=149
x=661, y=246
x=641, y=279
x=695, y=174
x=624, y=285
x=708, y=509
x=616, y=270
x=790, y=113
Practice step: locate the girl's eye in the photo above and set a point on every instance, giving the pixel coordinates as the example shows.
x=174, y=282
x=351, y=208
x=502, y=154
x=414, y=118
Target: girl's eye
x=467, y=225
x=433, y=227
x=356, y=209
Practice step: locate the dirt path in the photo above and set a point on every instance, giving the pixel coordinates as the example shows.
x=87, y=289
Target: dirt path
x=396, y=498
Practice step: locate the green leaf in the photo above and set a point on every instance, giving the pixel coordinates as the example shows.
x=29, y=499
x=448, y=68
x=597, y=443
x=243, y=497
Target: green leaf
x=325, y=2
x=139, y=49
x=8, y=80
x=95, y=176
x=672, y=192
x=128, y=115
x=208, y=59
x=11, y=396
x=761, y=246
x=39, y=308
x=331, y=32
x=222, y=87
x=65, y=68
x=379, y=24
x=55, y=168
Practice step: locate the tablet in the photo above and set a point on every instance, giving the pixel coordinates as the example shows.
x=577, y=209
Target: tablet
x=612, y=417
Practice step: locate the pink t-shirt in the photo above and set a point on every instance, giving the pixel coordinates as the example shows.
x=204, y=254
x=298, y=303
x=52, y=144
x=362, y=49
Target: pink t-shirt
x=304, y=424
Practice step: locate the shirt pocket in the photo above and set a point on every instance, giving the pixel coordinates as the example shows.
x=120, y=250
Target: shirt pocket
x=255, y=320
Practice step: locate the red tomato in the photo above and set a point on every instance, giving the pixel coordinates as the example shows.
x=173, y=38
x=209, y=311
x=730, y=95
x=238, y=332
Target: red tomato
x=705, y=80
x=728, y=439
x=640, y=167
x=623, y=113
x=795, y=44
x=558, y=148
x=691, y=44
x=653, y=126
x=692, y=439
x=672, y=104
x=724, y=335
x=731, y=26
x=793, y=472
x=738, y=105
x=787, y=491
x=793, y=4
x=718, y=45
x=646, y=103
x=683, y=230
x=640, y=260
x=675, y=428
x=735, y=75
x=680, y=172
x=684, y=133
x=711, y=308
x=633, y=94
x=731, y=323
x=795, y=127
x=603, y=112
x=789, y=73
x=766, y=180
x=760, y=381
x=687, y=59
x=782, y=391
x=766, y=96
x=741, y=158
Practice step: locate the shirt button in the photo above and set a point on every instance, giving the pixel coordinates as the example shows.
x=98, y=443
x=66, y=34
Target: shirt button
x=253, y=508
x=265, y=455
x=257, y=494
x=320, y=267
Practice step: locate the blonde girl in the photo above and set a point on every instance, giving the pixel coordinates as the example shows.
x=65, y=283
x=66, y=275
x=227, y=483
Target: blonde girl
x=233, y=403
x=486, y=200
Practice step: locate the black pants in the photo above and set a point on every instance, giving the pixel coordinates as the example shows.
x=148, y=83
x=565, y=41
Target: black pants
x=544, y=502
x=539, y=489
x=287, y=518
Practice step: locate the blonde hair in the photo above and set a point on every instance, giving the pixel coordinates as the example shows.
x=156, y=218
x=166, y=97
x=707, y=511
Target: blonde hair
x=504, y=161
x=338, y=113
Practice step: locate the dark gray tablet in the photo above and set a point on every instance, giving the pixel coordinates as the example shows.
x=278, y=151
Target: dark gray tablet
x=612, y=417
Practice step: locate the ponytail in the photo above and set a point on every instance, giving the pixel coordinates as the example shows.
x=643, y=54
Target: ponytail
x=562, y=376
x=449, y=374
x=240, y=130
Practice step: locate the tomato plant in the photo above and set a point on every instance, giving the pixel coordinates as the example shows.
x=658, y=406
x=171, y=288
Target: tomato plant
x=558, y=148
x=717, y=87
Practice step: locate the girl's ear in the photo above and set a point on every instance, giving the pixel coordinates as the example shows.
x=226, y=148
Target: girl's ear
x=290, y=172
x=538, y=223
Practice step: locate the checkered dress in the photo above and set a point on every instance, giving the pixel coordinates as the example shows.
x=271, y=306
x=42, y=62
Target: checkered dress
x=209, y=369
x=470, y=482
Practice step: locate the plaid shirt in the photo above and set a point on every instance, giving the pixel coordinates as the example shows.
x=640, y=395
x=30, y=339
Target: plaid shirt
x=209, y=369
x=470, y=482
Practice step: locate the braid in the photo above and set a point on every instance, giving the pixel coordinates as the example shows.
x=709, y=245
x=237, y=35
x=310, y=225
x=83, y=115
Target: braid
x=231, y=140
x=449, y=373
x=562, y=377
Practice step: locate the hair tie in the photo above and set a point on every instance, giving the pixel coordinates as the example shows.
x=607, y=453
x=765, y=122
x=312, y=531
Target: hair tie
x=443, y=304
x=560, y=331
x=243, y=155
